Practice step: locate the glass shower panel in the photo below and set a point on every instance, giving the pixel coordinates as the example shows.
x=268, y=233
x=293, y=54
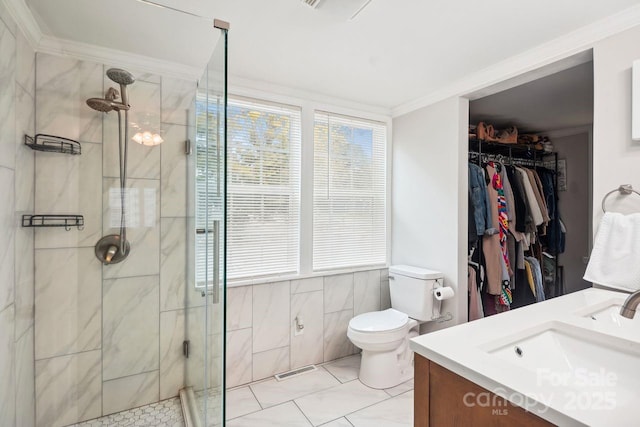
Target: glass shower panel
x=207, y=231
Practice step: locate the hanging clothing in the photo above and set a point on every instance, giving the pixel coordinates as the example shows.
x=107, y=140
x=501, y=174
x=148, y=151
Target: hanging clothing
x=513, y=258
x=522, y=294
x=479, y=199
x=555, y=235
x=475, y=299
x=530, y=196
x=472, y=233
x=503, y=218
x=491, y=242
x=543, y=201
x=537, y=277
x=519, y=200
x=512, y=211
x=497, y=243
x=511, y=203
x=534, y=197
x=537, y=196
x=530, y=279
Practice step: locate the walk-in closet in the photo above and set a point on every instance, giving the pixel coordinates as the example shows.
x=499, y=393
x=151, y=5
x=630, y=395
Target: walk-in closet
x=530, y=150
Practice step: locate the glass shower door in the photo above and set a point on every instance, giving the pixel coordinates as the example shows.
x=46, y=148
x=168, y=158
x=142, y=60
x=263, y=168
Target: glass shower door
x=208, y=233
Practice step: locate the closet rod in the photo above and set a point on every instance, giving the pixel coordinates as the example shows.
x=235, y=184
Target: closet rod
x=511, y=160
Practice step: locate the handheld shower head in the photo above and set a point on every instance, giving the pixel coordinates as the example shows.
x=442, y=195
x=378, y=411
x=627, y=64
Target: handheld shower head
x=123, y=78
x=104, y=105
x=120, y=76
x=100, y=104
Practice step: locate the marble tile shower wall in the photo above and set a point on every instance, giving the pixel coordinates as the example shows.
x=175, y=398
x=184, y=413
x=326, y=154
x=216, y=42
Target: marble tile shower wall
x=17, y=90
x=261, y=321
x=109, y=338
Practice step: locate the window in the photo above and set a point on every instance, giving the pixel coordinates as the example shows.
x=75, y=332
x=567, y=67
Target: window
x=349, y=192
x=345, y=223
x=263, y=189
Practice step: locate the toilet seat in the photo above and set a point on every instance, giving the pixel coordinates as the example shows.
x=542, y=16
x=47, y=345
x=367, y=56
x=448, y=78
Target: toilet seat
x=388, y=320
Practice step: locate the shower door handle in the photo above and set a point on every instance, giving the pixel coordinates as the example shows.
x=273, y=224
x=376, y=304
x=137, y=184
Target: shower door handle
x=215, y=298
x=214, y=290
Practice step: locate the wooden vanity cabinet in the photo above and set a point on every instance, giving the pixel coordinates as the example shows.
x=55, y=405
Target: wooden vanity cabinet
x=443, y=398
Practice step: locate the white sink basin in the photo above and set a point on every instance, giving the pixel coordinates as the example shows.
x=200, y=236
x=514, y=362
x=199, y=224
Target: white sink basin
x=573, y=358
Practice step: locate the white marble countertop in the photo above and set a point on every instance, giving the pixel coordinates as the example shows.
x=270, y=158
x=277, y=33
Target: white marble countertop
x=463, y=349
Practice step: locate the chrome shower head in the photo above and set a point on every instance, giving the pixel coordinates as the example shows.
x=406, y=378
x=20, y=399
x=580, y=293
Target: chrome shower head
x=100, y=104
x=123, y=78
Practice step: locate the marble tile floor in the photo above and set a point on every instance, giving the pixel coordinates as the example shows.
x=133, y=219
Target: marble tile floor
x=332, y=396
x=166, y=413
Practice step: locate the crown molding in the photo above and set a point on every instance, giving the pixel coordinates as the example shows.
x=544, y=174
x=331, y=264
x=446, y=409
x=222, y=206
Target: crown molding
x=288, y=95
x=40, y=42
x=23, y=17
x=513, y=68
x=573, y=43
x=104, y=55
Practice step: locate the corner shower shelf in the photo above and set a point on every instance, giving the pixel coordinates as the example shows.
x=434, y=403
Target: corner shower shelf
x=53, y=144
x=66, y=221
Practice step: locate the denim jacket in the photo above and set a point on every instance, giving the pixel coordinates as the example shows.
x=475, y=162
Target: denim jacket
x=479, y=198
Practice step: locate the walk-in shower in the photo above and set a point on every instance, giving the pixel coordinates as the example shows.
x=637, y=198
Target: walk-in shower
x=113, y=248
x=128, y=312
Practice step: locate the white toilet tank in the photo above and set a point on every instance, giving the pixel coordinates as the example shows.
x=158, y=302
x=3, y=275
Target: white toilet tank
x=411, y=290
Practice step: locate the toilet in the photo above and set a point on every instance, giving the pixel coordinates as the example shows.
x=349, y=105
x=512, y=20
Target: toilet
x=384, y=335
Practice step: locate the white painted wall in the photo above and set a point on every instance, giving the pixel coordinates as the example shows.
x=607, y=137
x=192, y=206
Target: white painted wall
x=429, y=195
x=616, y=158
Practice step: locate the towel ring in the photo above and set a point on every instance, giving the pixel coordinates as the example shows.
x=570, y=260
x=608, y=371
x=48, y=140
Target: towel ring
x=624, y=189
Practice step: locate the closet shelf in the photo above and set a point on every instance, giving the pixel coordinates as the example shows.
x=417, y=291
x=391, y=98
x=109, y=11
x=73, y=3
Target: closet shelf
x=505, y=149
x=66, y=221
x=53, y=144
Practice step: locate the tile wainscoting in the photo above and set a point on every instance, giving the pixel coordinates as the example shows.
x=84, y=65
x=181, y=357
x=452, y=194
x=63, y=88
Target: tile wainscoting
x=261, y=321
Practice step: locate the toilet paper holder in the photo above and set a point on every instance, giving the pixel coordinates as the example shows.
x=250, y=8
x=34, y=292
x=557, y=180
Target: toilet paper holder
x=437, y=304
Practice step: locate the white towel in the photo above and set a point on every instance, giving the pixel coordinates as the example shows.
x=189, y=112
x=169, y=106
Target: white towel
x=615, y=258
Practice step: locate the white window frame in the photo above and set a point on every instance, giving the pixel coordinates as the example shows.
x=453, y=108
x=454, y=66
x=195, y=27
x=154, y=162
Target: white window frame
x=308, y=107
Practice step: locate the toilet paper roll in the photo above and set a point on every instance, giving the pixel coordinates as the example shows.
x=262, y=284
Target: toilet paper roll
x=443, y=293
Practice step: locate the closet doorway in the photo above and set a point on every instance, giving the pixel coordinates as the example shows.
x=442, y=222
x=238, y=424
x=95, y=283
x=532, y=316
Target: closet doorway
x=536, y=140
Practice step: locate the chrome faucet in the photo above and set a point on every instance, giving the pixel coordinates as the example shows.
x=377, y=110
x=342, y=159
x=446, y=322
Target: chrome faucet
x=628, y=309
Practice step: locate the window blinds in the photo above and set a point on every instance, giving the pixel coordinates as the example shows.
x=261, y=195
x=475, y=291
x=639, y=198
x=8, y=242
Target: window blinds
x=263, y=188
x=209, y=185
x=349, y=192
